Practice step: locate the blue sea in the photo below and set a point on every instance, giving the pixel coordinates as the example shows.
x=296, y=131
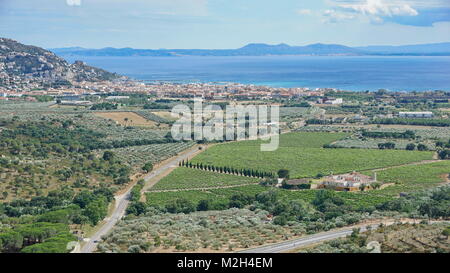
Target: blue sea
x=354, y=73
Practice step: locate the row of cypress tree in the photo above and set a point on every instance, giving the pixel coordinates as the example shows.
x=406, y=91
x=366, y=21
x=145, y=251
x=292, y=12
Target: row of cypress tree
x=226, y=170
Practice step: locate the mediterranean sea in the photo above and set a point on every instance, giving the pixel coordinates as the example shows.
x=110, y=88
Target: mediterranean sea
x=353, y=73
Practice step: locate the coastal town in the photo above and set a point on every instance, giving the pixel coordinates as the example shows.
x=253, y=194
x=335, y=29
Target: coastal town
x=209, y=91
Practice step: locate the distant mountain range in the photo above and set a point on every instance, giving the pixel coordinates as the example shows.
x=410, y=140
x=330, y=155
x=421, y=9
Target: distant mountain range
x=441, y=49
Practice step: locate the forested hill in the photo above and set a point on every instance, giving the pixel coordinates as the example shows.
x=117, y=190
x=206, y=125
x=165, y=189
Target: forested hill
x=23, y=65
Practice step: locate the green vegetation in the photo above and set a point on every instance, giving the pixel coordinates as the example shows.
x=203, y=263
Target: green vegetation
x=148, y=167
x=136, y=207
x=411, y=121
x=412, y=178
x=43, y=98
x=199, y=231
x=154, y=105
x=407, y=134
x=393, y=239
x=186, y=178
x=38, y=157
x=60, y=168
x=227, y=170
x=104, y=106
x=36, y=238
x=387, y=145
x=42, y=223
x=221, y=197
x=302, y=154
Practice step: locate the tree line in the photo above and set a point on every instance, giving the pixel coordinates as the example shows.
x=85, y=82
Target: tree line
x=408, y=134
x=227, y=170
x=414, y=121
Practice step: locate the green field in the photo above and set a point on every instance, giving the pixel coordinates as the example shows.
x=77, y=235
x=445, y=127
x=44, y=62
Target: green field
x=406, y=178
x=223, y=195
x=412, y=178
x=302, y=154
x=186, y=178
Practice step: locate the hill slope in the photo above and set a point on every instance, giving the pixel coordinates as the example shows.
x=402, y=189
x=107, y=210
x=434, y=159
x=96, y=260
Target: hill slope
x=23, y=65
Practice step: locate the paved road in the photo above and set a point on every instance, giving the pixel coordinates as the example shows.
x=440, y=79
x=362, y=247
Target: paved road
x=305, y=241
x=323, y=236
x=123, y=200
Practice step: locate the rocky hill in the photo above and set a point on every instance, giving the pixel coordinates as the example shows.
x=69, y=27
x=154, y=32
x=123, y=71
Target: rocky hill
x=30, y=66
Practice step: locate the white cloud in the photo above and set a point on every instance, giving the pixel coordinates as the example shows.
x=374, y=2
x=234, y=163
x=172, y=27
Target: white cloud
x=304, y=12
x=333, y=16
x=382, y=8
x=73, y=2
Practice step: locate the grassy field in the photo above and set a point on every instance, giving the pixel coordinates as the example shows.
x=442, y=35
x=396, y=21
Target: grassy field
x=186, y=178
x=302, y=154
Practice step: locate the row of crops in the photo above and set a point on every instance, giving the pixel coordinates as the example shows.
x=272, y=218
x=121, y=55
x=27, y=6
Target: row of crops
x=137, y=156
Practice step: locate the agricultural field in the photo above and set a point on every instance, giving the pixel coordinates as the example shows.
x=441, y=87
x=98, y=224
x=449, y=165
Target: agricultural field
x=302, y=155
x=355, y=200
x=422, y=132
x=166, y=115
x=195, y=196
x=127, y=119
x=294, y=113
x=370, y=143
x=37, y=177
x=81, y=117
x=137, y=156
x=187, y=178
x=405, y=178
x=412, y=178
x=397, y=238
x=211, y=231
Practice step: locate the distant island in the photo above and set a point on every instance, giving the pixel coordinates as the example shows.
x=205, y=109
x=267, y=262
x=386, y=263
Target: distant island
x=255, y=49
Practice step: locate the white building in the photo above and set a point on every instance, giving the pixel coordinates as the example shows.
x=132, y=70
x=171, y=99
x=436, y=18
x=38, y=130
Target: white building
x=415, y=114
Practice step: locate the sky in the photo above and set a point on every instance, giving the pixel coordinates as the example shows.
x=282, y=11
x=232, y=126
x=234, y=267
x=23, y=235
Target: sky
x=219, y=24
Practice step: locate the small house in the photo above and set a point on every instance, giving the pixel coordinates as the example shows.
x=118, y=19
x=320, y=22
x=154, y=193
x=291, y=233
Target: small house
x=348, y=182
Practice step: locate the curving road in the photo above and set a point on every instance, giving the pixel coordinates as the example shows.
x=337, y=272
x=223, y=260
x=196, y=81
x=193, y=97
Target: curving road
x=304, y=241
x=319, y=237
x=123, y=200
